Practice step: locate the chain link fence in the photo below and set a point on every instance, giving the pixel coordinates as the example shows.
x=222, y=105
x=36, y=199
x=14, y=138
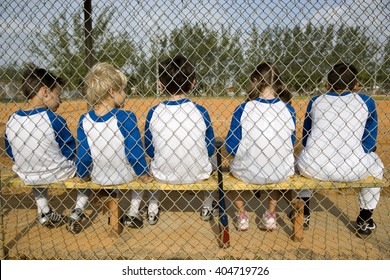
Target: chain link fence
x=225, y=41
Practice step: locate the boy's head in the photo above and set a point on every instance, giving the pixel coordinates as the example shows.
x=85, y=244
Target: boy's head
x=343, y=77
x=101, y=81
x=176, y=75
x=41, y=84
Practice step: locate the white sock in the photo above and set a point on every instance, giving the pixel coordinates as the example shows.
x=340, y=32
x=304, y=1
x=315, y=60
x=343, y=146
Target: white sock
x=153, y=202
x=136, y=198
x=42, y=205
x=81, y=201
x=208, y=199
x=40, y=195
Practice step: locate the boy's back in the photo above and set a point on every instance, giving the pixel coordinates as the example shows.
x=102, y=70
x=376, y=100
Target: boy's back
x=37, y=141
x=179, y=137
x=339, y=138
x=179, y=131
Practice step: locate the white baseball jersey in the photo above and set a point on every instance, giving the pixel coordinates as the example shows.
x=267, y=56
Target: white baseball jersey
x=41, y=146
x=261, y=139
x=180, y=140
x=110, y=148
x=339, y=138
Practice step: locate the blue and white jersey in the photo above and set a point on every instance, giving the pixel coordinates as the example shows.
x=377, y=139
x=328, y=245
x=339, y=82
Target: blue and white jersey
x=110, y=148
x=41, y=146
x=179, y=139
x=339, y=138
x=261, y=139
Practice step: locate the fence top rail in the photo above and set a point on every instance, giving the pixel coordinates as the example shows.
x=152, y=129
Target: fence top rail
x=230, y=183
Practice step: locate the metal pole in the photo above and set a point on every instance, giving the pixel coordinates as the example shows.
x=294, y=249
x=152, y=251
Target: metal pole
x=89, y=59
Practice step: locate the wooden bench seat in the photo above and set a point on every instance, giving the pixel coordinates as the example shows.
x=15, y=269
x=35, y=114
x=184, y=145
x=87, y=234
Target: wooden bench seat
x=230, y=183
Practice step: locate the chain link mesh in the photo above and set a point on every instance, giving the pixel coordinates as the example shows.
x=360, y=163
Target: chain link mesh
x=225, y=41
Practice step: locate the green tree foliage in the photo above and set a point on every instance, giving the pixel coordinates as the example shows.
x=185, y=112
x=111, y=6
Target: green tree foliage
x=62, y=47
x=223, y=56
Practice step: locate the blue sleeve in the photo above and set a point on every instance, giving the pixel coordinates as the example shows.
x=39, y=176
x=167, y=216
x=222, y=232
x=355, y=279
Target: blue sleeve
x=8, y=148
x=294, y=118
x=63, y=136
x=210, y=138
x=127, y=122
x=148, y=137
x=371, y=128
x=234, y=135
x=307, y=123
x=84, y=158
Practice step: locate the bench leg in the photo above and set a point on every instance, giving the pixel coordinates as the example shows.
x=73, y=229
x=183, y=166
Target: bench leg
x=298, y=217
x=115, y=214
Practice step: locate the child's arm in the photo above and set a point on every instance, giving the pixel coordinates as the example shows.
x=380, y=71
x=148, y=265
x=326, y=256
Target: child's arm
x=133, y=143
x=307, y=123
x=84, y=158
x=8, y=148
x=371, y=128
x=210, y=138
x=294, y=117
x=148, y=135
x=234, y=135
x=63, y=136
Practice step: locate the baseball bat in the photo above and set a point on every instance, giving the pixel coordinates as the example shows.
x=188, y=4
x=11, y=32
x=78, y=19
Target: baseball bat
x=223, y=218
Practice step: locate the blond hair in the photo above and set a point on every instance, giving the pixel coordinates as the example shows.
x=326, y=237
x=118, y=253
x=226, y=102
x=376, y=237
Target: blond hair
x=102, y=78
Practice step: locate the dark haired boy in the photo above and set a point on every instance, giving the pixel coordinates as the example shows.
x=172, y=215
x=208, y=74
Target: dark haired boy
x=179, y=137
x=39, y=141
x=339, y=139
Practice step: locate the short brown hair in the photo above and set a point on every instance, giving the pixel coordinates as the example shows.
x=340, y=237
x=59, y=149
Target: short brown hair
x=176, y=74
x=34, y=78
x=343, y=76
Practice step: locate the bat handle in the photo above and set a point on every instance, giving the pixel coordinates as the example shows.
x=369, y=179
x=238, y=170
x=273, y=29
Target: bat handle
x=223, y=217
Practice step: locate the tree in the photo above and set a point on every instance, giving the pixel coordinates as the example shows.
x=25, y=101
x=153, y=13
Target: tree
x=62, y=47
x=384, y=69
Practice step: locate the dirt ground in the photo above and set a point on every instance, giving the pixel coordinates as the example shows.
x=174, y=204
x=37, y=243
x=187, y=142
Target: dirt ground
x=180, y=234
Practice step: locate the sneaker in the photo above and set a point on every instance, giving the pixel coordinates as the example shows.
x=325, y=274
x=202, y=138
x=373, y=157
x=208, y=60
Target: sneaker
x=364, y=229
x=268, y=221
x=50, y=219
x=242, y=221
x=306, y=219
x=206, y=213
x=73, y=225
x=133, y=221
x=153, y=218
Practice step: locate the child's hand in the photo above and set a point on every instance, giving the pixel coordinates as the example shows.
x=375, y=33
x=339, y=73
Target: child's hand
x=146, y=178
x=82, y=180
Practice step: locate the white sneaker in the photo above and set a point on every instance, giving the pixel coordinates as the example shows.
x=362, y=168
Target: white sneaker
x=73, y=225
x=268, y=221
x=153, y=217
x=242, y=223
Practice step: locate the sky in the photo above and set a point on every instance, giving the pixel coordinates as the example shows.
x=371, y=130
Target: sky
x=145, y=20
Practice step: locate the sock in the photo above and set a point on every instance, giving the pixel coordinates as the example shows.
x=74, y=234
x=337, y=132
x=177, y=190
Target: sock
x=136, y=198
x=208, y=199
x=41, y=200
x=306, y=208
x=81, y=201
x=364, y=215
x=42, y=205
x=153, y=202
